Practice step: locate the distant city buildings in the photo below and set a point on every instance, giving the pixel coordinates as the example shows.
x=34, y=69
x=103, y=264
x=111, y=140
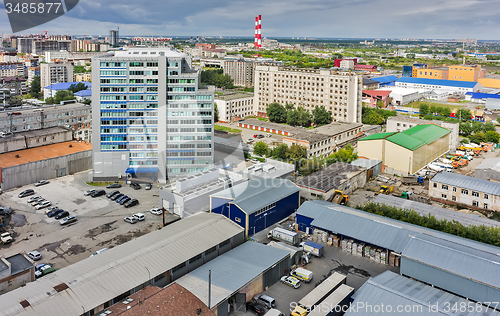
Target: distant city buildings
x=52, y=73
x=339, y=92
x=150, y=116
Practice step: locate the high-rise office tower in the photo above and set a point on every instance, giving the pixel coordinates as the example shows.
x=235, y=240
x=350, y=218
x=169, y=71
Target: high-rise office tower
x=150, y=118
x=113, y=37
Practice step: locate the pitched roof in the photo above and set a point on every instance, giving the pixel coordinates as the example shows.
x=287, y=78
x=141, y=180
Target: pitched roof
x=66, y=85
x=254, y=194
x=330, y=177
x=378, y=136
x=385, y=79
x=466, y=182
x=438, y=82
x=84, y=93
x=418, y=136
x=477, y=95
x=377, y=93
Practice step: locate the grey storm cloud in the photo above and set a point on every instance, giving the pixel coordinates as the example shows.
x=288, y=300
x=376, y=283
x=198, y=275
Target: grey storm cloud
x=304, y=18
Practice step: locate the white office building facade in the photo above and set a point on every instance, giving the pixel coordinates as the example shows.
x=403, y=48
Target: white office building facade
x=150, y=117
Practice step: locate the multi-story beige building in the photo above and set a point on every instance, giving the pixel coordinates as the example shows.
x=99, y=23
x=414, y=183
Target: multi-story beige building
x=11, y=69
x=51, y=73
x=339, y=92
x=83, y=77
x=234, y=106
x=243, y=71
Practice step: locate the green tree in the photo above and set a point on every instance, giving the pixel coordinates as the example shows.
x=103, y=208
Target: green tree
x=49, y=100
x=78, y=87
x=498, y=119
x=464, y=115
x=464, y=129
x=374, y=119
x=299, y=117
x=311, y=166
x=261, y=148
x=424, y=109
x=289, y=107
x=293, y=118
x=80, y=69
x=345, y=154
x=87, y=101
x=489, y=127
x=296, y=152
x=321, y=116
x=433, y=109
x=276, y=113
x=279, y=152
x=63, y=95
x=477, y=127
x=492, y=136
x=477, y=138
x=445, y=111
x=35, y=87
x=216, y=113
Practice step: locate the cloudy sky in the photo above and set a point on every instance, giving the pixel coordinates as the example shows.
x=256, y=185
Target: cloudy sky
x=280, y=18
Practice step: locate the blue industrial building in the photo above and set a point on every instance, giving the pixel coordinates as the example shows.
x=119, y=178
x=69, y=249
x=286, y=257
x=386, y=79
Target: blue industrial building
x=386, y=80
x=257, y=204
x=462, y=266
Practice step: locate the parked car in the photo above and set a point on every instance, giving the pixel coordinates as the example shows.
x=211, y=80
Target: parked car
x=265, y=300
x=250, y=140
x=117, y=196
x=125, y=200
x=110, y=194
x=269, y=135
x=136, y=186
x=47, y=271
x=98, y=252
x=256, y=308
x=488, y=112
x=255, y=135
x=61, y=215
x=260, y=136
x=35, y=203
x=43, y=205
x=156, y=211
x=131, y=203
x=139, y=216
x=254, y=160
x=34, y=255
x=113, y=186
x=34, y=198
x=38, y=266
x=26, y=193
x=68, y=219
x=41, y=182
x=291, y=281
x=89, y=192
x=54, y=212
x=98, y=193
x=130, y=219
x=148, y=186
x=39, y=271
x=118, y=200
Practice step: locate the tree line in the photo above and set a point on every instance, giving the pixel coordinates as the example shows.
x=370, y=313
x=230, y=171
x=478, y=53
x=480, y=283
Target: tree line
x=374, y=116
x=487, y=235
x=216, y=77
x=299, y=116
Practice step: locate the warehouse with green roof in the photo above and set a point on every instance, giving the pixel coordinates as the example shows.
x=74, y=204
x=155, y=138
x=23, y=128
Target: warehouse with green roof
x=408, y=151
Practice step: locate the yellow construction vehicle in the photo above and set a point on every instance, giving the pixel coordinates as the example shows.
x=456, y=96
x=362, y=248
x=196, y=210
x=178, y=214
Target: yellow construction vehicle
x=384, y=189
x=338, y=197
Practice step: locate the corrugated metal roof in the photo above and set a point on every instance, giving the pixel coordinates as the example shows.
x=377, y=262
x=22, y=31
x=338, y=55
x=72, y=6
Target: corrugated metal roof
x=438, y=82
x=254, y=194
x=330, y=177
x=466, y=182
x=418, y=136
x=471, y=263
x=98, y=279
x=232, y=270
x=385, y=79
x=66, y=85
x=477, y=95
x=490, y=163
x=377, y=136
x=84, y=93
x=391, y=289
x=366, y=163
x=438, y=212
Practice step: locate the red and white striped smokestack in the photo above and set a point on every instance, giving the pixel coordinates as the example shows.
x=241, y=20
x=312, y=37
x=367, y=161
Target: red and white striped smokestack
x=256, y=41
x=259, y=38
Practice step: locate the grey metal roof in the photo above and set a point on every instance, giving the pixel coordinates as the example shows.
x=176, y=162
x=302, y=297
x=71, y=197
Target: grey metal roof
x=330, y=177
x=256, y=193
x=455, y=258
x=391, y=289
x=101, y=278
x=490, y=163
x=232, y=270
x=18, y=263
x=366, y=163
x=3, y=266
x=438, y=212
x=466, y=182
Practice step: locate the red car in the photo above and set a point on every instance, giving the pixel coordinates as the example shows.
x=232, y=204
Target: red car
x=255, y=136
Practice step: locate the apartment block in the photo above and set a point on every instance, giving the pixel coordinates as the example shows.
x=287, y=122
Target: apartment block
x=32, y=72
x=52, y=73
x=339, y=92
x=234, y=106
x=11, y=69
x=150, y=118
x=243, y=71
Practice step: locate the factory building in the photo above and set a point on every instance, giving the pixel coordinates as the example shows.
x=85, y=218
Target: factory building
x=455, y=264
x=408, y=151
x=237, y=276
x=463, y=190
x=257, y=203
x=451, y=86
x=489, y=169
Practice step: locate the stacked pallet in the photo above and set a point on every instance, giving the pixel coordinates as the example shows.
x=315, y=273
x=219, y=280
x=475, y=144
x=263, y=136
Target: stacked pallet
x=335, y=241
x=383, y=257
x=367, y=252
x=392, y=258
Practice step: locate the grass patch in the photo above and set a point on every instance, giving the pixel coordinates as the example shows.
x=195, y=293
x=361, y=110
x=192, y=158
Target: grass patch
x=102, y=184
x=417, y=104
x=258, y=158
x=262, y=119
x=227, y=129
x=218, y=93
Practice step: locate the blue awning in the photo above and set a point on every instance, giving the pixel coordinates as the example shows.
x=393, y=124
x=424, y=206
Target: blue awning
x=142, y=170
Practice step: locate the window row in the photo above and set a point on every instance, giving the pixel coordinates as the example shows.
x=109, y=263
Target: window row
x=265, y=209
x=181, y=81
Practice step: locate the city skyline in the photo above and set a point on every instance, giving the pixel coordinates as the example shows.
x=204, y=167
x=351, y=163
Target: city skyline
x=340, y=19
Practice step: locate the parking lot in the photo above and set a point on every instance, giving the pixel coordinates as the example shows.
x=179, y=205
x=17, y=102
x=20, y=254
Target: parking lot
x=100, y=221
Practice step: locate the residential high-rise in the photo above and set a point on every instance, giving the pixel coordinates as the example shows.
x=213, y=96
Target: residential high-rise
x=338, y=91
x=113, y=37
x=150, y=118
x=52, y=73
x=243, y=71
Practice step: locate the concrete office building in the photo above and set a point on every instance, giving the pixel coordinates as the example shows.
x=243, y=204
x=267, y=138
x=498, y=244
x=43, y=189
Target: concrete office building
x=51, y=73
x=11, y=69
x=339, y=92
x=402, y=123
x=113, y=37
x=150, y=116
x=242, y=71
x=234, y=107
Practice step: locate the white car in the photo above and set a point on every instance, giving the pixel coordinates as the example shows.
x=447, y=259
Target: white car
x=43, y=205
x=41, y=182
x=269, y=135
x=130, y=219
x=291, y=281
x=34, y=255
x=250, y=140
x=156, y=211
x=34, y=198
x=89, y=192
x=139, y=216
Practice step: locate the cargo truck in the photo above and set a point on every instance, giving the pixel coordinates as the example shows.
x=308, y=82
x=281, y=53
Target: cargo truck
x=302, y=274
x=318, y=294
x=312, y=247
x=284, y=235
x=335, y=304
x=412, y=180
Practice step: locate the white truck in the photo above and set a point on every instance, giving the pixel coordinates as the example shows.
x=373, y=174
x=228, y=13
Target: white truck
x=302, y=274
x=284, y=235
x=6, y=238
